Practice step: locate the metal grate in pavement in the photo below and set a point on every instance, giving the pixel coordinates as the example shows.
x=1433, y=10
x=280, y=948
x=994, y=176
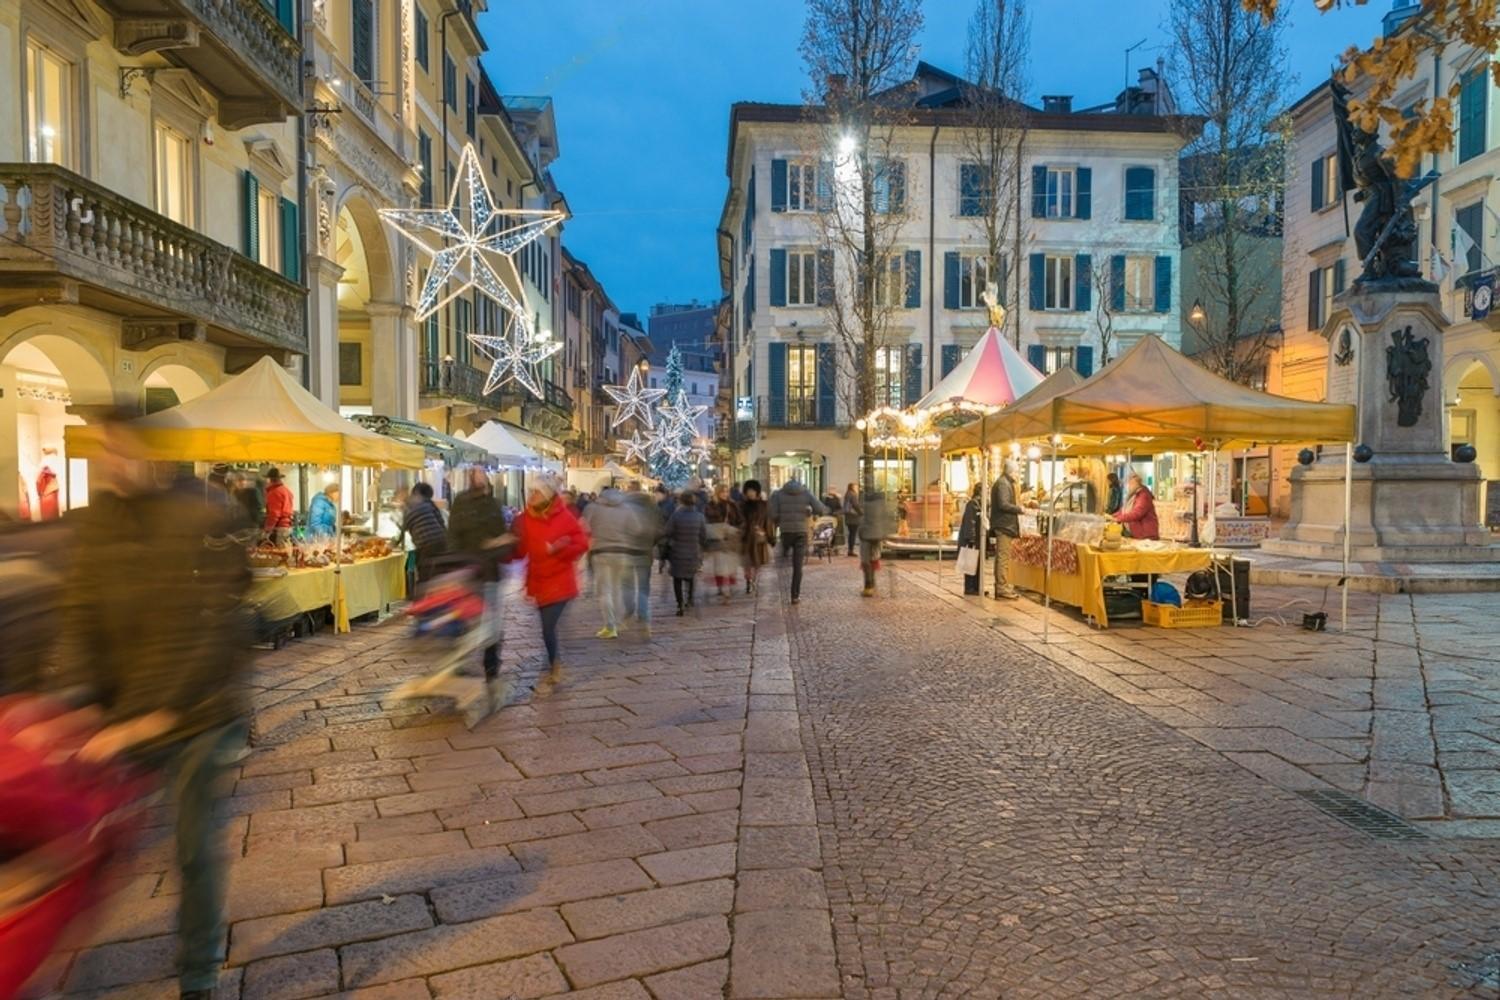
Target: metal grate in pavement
x=1358, y=813
x=1482, y=971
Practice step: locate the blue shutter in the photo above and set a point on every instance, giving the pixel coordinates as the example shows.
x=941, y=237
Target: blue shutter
x=911, y=378
x=1140, y=194
x=777, y=390
x=950, y=280
x=825, y=185
x=1163, y=284
x=1039, y=192
x=1083, y=194
x=827, y=369
x=1038, y=281
x=1036, y=355
x=1117, y=283
x=1471, y=113
x=778, y=185
x=913, y=279
x=750, y=292
x=250, y=206
x=778, y=277
x=291, y=241
x=1317, y=184
x=1083, y=283
x=952, y=355
x=825, y=277
x=1083, y=361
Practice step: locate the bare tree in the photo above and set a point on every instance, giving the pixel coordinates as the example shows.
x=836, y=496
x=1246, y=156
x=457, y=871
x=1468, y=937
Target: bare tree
x=857, y=54
x=1104, y=310
x=999, y=46
x=1231, y=66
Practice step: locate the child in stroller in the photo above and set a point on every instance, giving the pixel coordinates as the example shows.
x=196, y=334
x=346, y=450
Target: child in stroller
x=824, y=529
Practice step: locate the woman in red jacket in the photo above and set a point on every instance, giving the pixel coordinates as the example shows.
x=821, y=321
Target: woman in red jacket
x=1139, y=513
x=551, y=539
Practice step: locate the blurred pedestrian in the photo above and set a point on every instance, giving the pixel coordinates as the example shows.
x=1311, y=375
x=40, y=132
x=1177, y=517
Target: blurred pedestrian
x=477, y=530
x=323, y=513
x=666, y=503
x=164, y=662
x=423, y=523
x=551, y=539
x=614, y=531
x=968, y=538
x=877, y=524
x=854, y=512
x=247, y=491
x=756, y=533
x=724, y=524
x=687, y=536
x=279, y=508
x=792, y=509
x=641, y=548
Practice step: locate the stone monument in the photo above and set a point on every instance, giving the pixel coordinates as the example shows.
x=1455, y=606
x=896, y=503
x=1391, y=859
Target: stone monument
x=1411, y=501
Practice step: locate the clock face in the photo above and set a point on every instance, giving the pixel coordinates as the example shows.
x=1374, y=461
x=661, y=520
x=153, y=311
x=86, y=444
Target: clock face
x=1482, y=296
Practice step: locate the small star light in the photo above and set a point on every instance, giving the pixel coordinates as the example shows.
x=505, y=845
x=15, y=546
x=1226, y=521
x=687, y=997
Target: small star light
x=683, y=416
x=668, y=443
x=442, y=233
x=515, y=355
x=637, y=448
x=633, y=400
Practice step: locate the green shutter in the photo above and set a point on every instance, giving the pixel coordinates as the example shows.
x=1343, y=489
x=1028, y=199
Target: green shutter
x=778, y=277
x=1036, y=356
x=286, y=14
x=778, y=185
x=1163, y=284
x=911, y=378
x=950, y=280
x=913, y=279
x=1338, y=276
x=250, y=206
x=1083, y=194
x=1140, y=194
x=1083, y=283
x=1315, y=299
x=1471, y=113
x=291, y=240
x=777, y=372
x=825, y=185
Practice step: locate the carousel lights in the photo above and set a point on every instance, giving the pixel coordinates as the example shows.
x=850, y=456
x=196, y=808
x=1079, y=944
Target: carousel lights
x=1033, y=453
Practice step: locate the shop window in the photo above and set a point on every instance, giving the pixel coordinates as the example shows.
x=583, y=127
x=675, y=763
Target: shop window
x=351, y=363
x=50, y=105
x=174, y=174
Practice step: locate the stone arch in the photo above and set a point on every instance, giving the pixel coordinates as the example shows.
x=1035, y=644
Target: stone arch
x=1460, y=365
x=381, y=263
x=73, y=360
x=172, y=373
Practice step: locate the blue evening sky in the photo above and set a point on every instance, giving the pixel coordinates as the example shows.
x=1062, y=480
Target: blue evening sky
x=642, y=89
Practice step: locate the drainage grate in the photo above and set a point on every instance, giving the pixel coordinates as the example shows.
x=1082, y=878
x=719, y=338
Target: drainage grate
x=1483, y=971
x=1358, y=813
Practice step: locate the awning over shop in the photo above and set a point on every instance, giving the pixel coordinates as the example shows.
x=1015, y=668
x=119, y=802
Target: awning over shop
x=993, y=373
x=434, y=443
x=497, y=439
x=260, y=415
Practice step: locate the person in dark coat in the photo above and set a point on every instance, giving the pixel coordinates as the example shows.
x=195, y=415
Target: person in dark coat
x=1005, y=518
x=854, y=512
x=1116, y=496
x=665, y=505
x=686, y=536
x=756, y=537
x=968, y=538
x=792, y=509
x=477, y=529
x=424, y=523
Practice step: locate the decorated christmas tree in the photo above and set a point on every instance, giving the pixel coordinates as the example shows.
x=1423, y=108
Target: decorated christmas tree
x=674, y=435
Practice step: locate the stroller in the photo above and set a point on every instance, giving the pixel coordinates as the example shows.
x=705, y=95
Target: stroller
x=824, y=529
x=62, y=820
x=447, y=622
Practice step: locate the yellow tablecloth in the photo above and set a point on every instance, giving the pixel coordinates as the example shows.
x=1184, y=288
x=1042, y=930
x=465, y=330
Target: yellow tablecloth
x=370, y=585
x=1085, y=589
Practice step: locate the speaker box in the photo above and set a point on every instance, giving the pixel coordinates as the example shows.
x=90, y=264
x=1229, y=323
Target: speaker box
x=1234, y=586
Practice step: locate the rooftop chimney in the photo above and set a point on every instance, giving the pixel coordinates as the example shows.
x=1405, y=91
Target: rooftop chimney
x=1057, y=104
x=1401, y=12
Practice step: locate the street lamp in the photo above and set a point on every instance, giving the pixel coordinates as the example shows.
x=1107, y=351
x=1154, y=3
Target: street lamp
x=1196, y=315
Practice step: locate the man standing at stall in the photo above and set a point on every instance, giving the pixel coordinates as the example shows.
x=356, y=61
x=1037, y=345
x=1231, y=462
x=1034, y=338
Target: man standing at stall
x=279, y=508
x=1005, y=522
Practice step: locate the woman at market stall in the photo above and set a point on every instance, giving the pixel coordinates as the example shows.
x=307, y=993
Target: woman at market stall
x=551, y=539
x=1116, y=496
x=968, y=538
x=1139, y=512
x=755, y=537
x=724, y=524
x=323, y=513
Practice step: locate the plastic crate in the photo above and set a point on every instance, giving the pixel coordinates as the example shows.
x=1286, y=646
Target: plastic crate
x=1195, y=614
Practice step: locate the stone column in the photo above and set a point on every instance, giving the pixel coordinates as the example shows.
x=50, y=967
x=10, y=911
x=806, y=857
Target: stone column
x=323, y=331
x=392, y=361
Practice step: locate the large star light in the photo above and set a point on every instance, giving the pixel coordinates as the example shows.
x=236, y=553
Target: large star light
x=468, y=238
x=633, y=400
x=682, y=415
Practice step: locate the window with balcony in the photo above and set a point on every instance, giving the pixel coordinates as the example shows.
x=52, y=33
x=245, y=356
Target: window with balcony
x=801, y=186
x=421, y=34
x=174, y=174
x=1058, y=289
x=801, y=277
x=268, y=225
x=362, y=40
x=801, y=383
x=51, y=107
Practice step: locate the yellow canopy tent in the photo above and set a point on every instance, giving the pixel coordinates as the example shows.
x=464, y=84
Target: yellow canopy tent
x=260, y=415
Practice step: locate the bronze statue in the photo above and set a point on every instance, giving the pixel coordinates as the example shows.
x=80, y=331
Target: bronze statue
x=1385, y=237
x=1407, y=366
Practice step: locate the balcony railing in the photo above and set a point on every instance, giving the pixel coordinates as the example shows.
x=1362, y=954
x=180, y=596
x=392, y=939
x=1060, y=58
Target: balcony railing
x=457, y=381
x=791, y=412
x=66, y=239
x=237, y=47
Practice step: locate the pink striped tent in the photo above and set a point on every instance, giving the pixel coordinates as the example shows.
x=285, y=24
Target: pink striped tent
x=992, y=374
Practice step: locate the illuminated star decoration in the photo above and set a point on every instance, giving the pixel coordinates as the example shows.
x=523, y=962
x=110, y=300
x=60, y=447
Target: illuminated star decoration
x=633, y=400
x=471, y=237
x=682, y=416
x=637, y=448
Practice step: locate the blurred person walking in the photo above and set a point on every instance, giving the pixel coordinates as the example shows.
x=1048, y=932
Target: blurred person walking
x=756, y=533
x=641, y=549
x=423, y=523
x=551, y=539
x=875, y=527
x=614, y=530
x=724, y=524
x=792, y=509
x=279, y=508
x=477, y=530
x=687, y=536
x=666, y=503
x=854, y=513
x=164, y=662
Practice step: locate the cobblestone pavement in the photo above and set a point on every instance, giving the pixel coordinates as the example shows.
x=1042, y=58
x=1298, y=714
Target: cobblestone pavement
x=993, y=825
x=1403, y=710
x=591, y=840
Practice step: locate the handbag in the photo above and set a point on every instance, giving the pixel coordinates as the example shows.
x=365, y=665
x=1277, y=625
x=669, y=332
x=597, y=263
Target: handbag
x=968, y=561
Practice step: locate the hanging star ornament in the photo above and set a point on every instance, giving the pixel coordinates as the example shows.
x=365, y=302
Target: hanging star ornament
x=682, y=415
x=634, y=400
x=636, y=447
x=515, y=355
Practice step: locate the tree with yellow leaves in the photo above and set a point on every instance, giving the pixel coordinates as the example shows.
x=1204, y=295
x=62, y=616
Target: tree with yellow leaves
x=1426, y=126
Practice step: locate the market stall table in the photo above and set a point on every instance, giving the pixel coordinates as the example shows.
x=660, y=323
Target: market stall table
x=1078, y=571
x=370, y=585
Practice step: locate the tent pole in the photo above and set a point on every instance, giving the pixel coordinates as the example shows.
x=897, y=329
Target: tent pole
x=984, y=499
x=1047, y=540
x=1348, y=509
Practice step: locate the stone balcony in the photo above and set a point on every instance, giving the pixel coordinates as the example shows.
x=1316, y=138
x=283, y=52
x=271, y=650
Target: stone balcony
x=65, y=240
x=237, y=48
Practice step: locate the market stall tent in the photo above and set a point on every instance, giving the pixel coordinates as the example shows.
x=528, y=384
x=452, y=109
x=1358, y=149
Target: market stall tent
x=260, y=415
x=450, y=450
x=992, y=374
x=495, y=438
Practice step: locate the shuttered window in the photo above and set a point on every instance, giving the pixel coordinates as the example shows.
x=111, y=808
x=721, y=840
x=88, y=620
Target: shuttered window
x=1472, y=111
x=363, y=40
x=1140, y=194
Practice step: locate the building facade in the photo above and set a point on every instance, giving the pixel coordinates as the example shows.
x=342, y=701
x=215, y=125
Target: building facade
x=150, y=216
x=1096, y=228
x=1459, y=218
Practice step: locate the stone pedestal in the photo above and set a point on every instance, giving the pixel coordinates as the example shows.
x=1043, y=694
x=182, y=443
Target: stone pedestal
x=1411, y=503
